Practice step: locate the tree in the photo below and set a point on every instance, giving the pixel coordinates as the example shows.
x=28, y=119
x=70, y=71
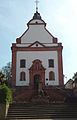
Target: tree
x=2, y=77
x=7, y=71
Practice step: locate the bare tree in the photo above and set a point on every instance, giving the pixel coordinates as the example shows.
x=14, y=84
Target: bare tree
x=6, y=70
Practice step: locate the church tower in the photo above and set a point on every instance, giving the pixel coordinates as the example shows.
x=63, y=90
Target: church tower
x=37, y=57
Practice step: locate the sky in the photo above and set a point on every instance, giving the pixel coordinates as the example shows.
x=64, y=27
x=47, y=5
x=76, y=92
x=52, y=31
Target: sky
x=61, y=19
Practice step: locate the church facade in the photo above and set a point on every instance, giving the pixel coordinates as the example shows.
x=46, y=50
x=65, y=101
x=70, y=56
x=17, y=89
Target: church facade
x=37, y=57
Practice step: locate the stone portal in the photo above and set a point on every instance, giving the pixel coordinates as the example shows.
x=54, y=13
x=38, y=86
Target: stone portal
x=37, y=74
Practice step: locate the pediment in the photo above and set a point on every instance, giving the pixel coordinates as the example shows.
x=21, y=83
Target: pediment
x=36, y=44
x=37, y=65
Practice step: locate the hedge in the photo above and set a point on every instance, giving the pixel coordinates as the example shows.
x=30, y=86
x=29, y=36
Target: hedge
x=5, y=94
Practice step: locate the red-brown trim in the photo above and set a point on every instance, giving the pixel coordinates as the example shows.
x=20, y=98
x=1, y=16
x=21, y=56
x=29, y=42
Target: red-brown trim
x=55, y=40
x=18, y=40
x=60, y=68
x=13, y=67
x=55, y=48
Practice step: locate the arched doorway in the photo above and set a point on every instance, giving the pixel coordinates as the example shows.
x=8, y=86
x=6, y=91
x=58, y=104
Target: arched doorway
x=36, y=81
x=37, y=74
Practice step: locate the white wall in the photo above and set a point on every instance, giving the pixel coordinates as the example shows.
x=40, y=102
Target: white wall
x=28, y=44
x=31, y=56
x=36, y=33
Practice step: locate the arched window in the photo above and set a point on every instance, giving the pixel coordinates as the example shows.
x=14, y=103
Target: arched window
x=22, y=76
x=51, y=75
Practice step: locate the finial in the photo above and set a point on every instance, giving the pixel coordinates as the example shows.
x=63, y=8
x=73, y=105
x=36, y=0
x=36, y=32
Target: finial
x=36, y=5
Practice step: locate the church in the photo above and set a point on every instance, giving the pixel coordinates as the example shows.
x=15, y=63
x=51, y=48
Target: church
x=36, y=60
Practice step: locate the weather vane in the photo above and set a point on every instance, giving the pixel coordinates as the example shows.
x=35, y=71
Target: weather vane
x=36, y=5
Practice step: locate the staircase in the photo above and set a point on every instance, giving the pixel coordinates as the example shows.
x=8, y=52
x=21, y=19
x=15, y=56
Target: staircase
x=24, y=111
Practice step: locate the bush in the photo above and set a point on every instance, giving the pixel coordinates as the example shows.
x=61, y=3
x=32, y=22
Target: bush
x=5, y=94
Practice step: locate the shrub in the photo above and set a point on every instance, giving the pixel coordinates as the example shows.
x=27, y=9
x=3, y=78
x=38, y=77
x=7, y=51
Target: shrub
x=5, y=94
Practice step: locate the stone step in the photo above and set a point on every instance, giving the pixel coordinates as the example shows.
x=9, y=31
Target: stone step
x=32, y=111
x=41, y=111
x=45, y=114
x=22, y=108
x=41, y=104
x=11, y=112
x=42, y=107
x=40, y=117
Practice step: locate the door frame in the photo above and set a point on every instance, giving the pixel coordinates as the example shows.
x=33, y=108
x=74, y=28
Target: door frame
x=37, y=69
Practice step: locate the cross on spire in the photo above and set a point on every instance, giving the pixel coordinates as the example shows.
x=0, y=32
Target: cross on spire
x=36, y=5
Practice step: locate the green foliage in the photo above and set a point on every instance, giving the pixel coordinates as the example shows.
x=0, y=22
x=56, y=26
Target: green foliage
x=1, y=76
x=5, y=94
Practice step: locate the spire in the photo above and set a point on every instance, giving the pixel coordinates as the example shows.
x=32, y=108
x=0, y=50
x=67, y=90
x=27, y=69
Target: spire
x=36, y=5
x=36, y=15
